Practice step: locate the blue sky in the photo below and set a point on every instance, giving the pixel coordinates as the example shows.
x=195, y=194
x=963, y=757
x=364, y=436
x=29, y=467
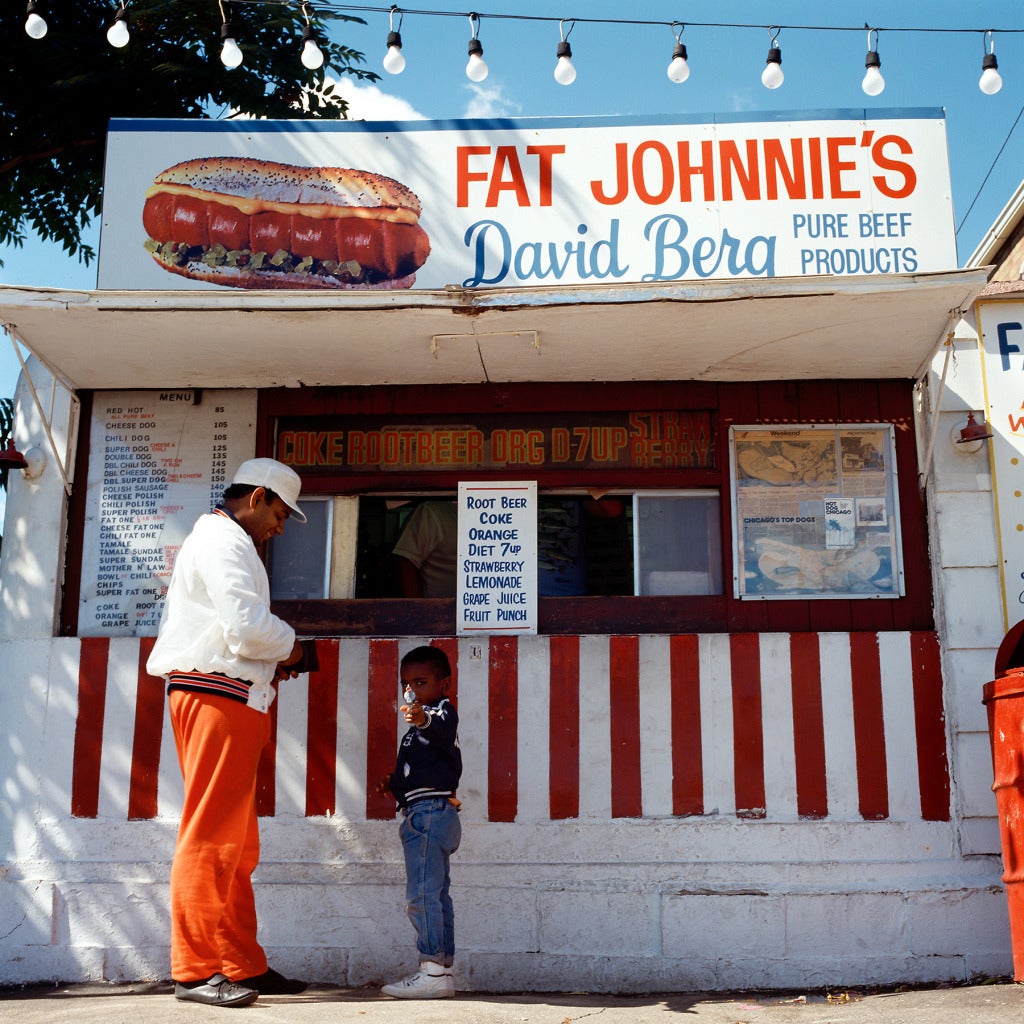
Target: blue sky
x=621, y=70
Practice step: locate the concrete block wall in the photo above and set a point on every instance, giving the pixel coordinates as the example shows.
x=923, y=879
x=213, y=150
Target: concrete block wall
x=647, y=908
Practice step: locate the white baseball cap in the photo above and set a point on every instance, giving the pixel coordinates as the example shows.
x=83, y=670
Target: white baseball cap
x=276, y=477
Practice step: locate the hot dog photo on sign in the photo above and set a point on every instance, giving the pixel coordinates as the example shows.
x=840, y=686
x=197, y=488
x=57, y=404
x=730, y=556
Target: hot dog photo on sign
x=249, y=223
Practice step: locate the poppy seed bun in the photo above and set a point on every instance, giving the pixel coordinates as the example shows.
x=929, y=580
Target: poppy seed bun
x=247, y=179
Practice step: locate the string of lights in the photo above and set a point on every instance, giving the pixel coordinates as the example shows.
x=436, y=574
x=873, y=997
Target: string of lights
x=394, y=62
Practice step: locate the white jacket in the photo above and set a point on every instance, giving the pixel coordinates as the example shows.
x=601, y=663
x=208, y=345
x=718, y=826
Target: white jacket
x=217, y=614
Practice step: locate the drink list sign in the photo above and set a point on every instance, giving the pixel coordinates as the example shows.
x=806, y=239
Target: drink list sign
x=497, y=559
x=157, y=461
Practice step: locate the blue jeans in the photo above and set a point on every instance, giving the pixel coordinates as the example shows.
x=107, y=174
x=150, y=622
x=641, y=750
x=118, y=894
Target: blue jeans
x=431, y=832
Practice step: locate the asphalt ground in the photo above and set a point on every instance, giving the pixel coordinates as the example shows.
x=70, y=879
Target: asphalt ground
x=997, y=1002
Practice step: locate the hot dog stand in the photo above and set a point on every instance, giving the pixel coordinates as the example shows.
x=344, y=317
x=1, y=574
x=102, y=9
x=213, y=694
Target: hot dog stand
x=729, y=754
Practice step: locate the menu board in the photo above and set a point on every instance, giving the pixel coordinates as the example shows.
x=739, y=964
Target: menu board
x=496, y=590
x=157, y=461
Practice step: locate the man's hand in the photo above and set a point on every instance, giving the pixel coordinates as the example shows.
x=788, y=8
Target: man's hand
x=283, y=671
x=383, y=787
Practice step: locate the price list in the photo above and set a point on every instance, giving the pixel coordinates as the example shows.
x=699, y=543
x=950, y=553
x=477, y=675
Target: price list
x=157, y=461
x=496, y=590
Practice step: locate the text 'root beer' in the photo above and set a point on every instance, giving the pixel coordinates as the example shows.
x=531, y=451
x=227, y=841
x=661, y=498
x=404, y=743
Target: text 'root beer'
x=258, y=224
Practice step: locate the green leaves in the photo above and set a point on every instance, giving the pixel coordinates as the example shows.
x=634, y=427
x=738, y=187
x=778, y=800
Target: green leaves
x=61, y=91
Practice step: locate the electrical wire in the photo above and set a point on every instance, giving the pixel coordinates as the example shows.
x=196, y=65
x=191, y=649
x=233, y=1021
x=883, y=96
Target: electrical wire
x=991, y=168
x=331, y=5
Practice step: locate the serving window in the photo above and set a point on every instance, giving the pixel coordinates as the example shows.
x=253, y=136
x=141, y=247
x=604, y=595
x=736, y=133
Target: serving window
x=644, y=471
x=618, y=544
x=659, y=508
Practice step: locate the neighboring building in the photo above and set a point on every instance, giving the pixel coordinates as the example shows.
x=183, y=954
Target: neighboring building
x=741, y=744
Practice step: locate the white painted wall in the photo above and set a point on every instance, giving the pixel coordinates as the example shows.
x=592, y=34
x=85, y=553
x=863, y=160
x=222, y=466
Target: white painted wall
x=31, y=569
x=966, y=581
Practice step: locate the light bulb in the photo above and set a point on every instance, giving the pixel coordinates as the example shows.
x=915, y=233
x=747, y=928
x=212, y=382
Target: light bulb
x=394, y=62
x=873, y=82
x=991, y=81
x=117, y=34
x=565, y=73
x=678, y=71
x=35, y=26
x=230, y=53
x=312, y=56
x=772, y=77
x=476, y=68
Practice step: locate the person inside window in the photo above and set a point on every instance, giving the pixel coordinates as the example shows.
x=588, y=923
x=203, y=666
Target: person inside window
x=426, y=552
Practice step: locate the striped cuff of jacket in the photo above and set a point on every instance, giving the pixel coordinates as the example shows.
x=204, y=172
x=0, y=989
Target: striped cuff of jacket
x=213, y=683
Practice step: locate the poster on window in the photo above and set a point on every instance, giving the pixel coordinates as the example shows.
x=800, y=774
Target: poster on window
x=815, y=512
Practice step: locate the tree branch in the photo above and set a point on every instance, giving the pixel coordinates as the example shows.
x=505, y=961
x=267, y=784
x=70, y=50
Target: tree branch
x=46, y=154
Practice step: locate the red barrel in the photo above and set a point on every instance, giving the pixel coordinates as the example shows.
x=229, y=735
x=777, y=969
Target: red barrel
x=1004, y=701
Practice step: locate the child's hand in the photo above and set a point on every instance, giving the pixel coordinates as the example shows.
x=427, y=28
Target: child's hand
x=414, y=714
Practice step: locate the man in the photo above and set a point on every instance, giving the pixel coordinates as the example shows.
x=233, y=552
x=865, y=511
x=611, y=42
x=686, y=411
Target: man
x=427, y=549
x=222, y=651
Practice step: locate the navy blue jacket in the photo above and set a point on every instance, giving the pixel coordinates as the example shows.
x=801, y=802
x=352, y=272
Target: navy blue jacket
x=429, y=760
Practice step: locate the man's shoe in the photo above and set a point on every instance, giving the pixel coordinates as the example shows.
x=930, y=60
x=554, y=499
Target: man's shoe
x=431, y=981
x=215, y=991
x=271, y=983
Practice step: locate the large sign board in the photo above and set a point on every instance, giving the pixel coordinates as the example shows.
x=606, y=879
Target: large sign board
x=157, y=461
x=546, y=201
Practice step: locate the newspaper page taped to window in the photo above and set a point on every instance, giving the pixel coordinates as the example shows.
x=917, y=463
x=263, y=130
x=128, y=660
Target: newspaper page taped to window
x=815, y=512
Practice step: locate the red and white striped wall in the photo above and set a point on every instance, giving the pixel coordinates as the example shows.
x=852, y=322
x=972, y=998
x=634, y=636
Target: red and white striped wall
x=844, y=726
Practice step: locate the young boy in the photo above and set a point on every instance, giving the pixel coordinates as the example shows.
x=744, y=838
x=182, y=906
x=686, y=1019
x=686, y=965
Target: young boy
x=424, y=782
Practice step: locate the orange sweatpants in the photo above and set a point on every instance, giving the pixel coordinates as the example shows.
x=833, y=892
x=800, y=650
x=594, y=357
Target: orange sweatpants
x=213, y=909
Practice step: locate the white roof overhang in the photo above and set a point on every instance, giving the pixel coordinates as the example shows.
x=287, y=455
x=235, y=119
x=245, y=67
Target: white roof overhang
x=737, y=330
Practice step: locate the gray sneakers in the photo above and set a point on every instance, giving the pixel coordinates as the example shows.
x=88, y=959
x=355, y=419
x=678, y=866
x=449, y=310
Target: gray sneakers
x=431, y=981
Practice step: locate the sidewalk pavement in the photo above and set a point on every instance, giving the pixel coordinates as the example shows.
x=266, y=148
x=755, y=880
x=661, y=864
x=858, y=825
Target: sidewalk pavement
x=996, y=1003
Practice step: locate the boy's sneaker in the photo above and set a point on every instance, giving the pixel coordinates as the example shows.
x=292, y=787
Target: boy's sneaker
x=431, y=981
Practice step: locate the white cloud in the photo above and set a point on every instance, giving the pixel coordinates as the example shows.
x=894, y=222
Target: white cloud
x=744, y=100
x=490, y=101
x=368, y=103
